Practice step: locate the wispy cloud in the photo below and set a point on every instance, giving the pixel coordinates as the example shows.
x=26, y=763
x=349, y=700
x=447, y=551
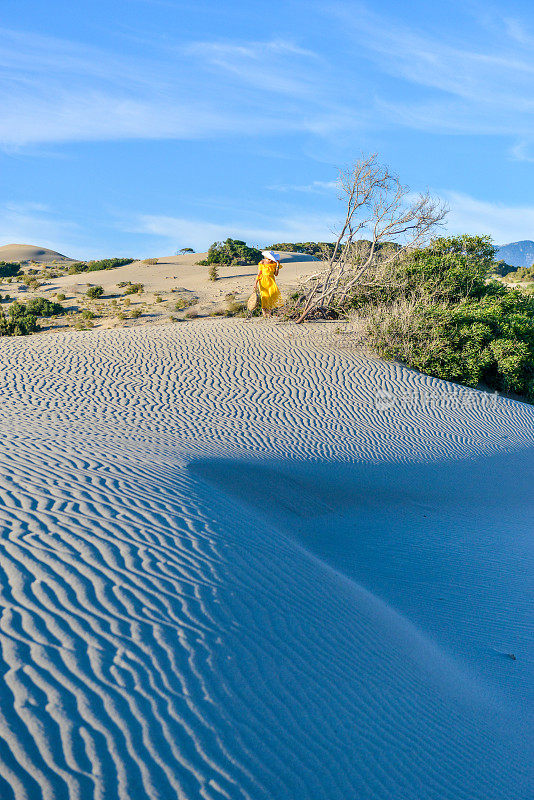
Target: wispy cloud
x=315, y=187
x=36, y=223
x=59, y=91
x=504, y=223
x=199, y=234
x=522, y=151
x=481, y=85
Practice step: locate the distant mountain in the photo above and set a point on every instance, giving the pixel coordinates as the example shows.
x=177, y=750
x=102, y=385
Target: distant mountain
x=29, y=252
x=517, y=254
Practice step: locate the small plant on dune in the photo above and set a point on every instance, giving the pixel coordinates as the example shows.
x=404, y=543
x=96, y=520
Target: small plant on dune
x=184, y=302
x=133, y=288
x=213, y=273
x=77, y=267
x=191, y=314
x=127, y=301
x=108, y=263
x=88, y=314
x=136, y=313
x=150, y=262
x=94, y=292
x=184, y=250
x=60, y=297
x=158, y=299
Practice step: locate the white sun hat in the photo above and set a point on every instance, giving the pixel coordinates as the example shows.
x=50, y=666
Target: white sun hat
x=270, y=255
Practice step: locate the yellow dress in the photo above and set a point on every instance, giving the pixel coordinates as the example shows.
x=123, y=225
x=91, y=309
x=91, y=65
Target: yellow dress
x=269, y=291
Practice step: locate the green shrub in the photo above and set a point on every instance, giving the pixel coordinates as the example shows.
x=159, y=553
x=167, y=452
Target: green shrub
x=133, y=288
x=232, y=251
x=60, y=296
x=78, y=266
x=8, y=269
x=522, y=274
x=213, y=273
x=437, y=310
x=108, y=263
x=87, y=314
x=150, y=262
x=18, y=322
x=136, y=313
x=42, y=307
x=94, y=292
x=490, y=340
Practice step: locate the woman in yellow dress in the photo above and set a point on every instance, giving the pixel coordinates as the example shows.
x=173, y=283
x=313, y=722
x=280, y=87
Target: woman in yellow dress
x=268, y=269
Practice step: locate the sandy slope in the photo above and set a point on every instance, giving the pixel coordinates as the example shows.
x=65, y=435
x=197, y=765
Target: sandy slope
x=29, y=252
x=177, y=271
x=239, y=562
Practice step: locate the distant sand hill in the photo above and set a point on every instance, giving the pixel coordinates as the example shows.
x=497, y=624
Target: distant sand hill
x=29, y=252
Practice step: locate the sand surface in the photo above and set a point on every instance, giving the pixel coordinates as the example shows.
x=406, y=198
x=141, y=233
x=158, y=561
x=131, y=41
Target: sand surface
x=240, y=562
x=173, y=278
x=29, y=252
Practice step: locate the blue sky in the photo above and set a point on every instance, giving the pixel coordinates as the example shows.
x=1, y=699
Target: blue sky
x=136, y=127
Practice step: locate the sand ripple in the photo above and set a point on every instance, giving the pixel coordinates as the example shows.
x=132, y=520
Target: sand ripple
x=163, y=637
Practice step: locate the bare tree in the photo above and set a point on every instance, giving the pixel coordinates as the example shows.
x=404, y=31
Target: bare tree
x=379, y=211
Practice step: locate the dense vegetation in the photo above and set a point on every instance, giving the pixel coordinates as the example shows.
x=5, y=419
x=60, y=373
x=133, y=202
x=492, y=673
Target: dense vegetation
x=9, y=268
x=316, y=249
x=437, y=311
x=519, y=275
x=95, y=266
x=231, y=252
x=321, y=250
x=502, y=268
x=21, y=318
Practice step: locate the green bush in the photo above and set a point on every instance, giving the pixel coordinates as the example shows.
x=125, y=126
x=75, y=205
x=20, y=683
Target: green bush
x=519, y=275
x=8, y=269
x=108, y=263
x=316, y=249
x=133, y=288
x=42, y=307
x=95, y=266
x=213, y=273
x=87, y=314
x=94, y=292
x=436, y=311
x=150, y=262
x=78, y=266
x=18, y=322
x=232, y=251
x=60, y=296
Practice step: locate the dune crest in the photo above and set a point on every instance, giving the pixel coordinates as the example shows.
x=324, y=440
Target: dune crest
x=29, y=252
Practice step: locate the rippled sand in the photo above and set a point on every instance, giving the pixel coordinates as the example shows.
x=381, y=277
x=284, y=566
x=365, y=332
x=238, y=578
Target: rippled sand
x=238, y=561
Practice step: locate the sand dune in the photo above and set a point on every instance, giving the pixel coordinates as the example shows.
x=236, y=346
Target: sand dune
x=239, y=562
x=172, y=271
x=29, y=252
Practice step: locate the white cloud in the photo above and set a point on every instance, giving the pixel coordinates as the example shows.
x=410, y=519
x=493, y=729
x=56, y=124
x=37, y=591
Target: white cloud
x=485, y=85
x=522, y=152
x=58, y=91
x=36, y=224
x=199, y=234
x=503, y=223
x=315, y=187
